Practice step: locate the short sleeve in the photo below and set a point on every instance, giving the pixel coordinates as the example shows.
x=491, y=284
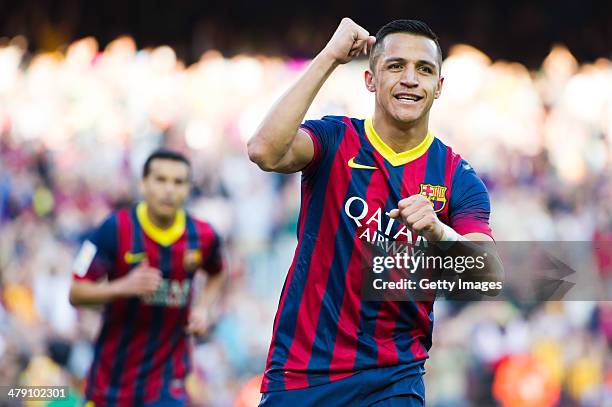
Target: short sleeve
x=470, y=206
x=213, y=263
x=325, y=134
x=97, y=254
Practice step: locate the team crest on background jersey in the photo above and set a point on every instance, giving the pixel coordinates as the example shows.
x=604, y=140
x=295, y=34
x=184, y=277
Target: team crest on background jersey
x=192, y=260
x=436, y=194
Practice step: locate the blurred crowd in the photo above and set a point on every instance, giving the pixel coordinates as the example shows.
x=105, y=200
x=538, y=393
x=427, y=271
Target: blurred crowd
x=76, y=126
x=520, y=30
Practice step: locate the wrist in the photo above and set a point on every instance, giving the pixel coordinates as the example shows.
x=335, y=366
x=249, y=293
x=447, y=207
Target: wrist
x=449, y=234
x=203, y=312
x=448, y=237
x=326, y=60
x=438, y=232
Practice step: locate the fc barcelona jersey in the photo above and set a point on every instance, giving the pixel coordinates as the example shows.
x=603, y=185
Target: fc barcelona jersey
x=324, y=330
x=142, y=348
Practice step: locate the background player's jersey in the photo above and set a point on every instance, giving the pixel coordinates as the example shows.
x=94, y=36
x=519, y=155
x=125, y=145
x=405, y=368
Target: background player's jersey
x=142, y=348
x=323, y=330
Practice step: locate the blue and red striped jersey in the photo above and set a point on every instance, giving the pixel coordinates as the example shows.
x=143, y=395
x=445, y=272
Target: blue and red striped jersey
x=142, y=347
x=324, y=330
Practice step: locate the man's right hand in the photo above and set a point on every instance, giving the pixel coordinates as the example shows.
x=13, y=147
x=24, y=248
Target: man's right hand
x=349, y=41
x=142, y=280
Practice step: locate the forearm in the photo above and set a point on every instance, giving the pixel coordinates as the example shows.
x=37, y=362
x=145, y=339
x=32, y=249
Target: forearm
x=278, y=130
x=84, y=293
x=211, y=292
x=480, y=261
x=486, y=254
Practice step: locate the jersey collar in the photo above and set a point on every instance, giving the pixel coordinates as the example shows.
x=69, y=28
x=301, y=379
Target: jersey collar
x=387, y=152
x=164, y=237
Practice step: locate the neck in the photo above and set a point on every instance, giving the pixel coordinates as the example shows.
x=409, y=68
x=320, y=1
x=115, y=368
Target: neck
x=162, y=222
x=400, y=136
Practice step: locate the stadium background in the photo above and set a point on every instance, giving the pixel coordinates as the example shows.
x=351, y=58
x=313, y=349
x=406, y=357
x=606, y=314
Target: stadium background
x=88, y=90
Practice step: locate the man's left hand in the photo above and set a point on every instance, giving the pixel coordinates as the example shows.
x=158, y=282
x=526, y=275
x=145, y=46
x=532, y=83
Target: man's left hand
x=199, y=321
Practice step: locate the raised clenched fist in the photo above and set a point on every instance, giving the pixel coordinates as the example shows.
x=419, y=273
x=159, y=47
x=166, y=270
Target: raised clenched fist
x=417, y=213
x=349, y=41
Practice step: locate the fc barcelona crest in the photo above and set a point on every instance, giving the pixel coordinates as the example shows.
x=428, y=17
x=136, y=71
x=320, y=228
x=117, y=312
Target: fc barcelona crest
x=436, y=194
x=192, y=260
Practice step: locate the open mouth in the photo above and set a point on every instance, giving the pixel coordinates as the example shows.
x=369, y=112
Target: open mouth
x=408, y=97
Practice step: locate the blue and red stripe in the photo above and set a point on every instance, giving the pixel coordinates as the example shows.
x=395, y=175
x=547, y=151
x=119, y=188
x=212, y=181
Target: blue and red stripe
x=317, y=272
x=324, y=333
x=127, y=315
x=286, y=317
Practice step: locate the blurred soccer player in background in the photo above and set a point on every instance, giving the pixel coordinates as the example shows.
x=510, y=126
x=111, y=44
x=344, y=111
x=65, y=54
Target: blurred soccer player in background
x=383, y=178
x=140, y=264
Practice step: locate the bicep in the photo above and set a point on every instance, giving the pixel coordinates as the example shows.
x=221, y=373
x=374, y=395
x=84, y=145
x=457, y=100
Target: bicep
x=301, y=152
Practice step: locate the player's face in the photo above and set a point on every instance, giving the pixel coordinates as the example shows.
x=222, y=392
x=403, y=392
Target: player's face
x=166, y=187
x=406, y=77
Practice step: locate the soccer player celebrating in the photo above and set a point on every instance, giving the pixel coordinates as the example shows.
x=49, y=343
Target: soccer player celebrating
x=386, y=177
x=140, y=264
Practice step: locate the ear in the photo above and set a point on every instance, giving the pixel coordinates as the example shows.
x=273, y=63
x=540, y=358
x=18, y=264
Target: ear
x=439, y=87
x=369, y=81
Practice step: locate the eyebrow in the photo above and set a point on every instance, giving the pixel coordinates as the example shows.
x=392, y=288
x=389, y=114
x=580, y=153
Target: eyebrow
x=403, y=60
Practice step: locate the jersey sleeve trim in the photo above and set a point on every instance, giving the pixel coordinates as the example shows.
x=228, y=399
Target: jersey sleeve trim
x=316, y=146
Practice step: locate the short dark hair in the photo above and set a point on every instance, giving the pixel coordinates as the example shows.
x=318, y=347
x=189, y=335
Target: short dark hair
x=163, y=154
x=415, y=27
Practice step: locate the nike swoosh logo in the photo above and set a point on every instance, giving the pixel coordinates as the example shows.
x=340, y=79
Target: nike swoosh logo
x=131, y=258
x=353, y=164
